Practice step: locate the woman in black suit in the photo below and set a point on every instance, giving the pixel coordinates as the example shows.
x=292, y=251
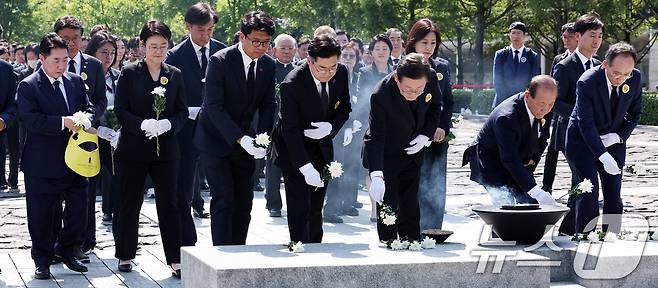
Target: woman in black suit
x=148, y=145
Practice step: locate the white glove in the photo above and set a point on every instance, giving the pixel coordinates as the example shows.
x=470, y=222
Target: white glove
x=420, y=142
x=356, y=126
x=542, y=196
x=347, y=138
x=311, y=176
x=610, y=139
x=377, y=186
x=609, y=164
x=247, y=144
x=150, y=127
x=114, y=141
x=163, y=126
x=323, y=129
x=193, y=111
x=106, y=133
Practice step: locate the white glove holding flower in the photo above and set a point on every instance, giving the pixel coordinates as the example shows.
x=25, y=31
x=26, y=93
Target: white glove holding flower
x=420, y=142
x=311, y=176
x=114, y=141
x=542, y=197
x=150, y=128
x=247, y=143
x=163, y=126
x=356, y=126
x=377, y=186
x=323, y=130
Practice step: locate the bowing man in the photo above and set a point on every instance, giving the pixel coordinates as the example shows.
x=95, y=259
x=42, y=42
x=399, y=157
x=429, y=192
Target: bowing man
x=315, y=103
x=608, y=107
x=509, y=146
x=404, y=113
x=239, y=82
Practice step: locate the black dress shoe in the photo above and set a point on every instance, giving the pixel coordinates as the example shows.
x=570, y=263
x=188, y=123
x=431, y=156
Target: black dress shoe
x=107, y=218
x=73, y=264
x=358, y=205
x=81, y=256
x=350, y=211
x=175, y=272
x=332, y=218
x=275, y=213
x=125, y=267
x=42, y=272
x=204, y=186
x=258, y=188
x=200, y=214
x=56, y=259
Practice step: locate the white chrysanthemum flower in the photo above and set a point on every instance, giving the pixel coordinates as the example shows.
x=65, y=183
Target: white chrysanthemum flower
x=405, y=244
x=389, y=220
x=159, y=91
x=640, y=170
x=80, y=118
x=396, y=245
x=415, y=246
x=298, y=247
x=428, y=243
x=593, y=236
x=610, y=237
x=585, y=186
x=262, y=140
x=335, y=169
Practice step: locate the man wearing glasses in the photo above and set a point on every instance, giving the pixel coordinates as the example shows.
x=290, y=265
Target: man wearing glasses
x=239, y=82
x=404, y=113
x=315, y=103
x=608, y=107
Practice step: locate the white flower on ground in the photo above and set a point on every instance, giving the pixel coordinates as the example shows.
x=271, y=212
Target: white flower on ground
x=428, y=243
x=80, y=118
x=389, y=220
x=592, y=236
x=335, y=169
x=640, y=170
x=159, y=91
x=397, y=245
x=297, y=247
x=262, y=140
x=610, y=237
x=585, y=186
x=642, y=236
x=405, y=244
x=415, y=246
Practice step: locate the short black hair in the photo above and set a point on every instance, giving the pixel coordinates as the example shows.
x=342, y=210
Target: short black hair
x=68, y=21
x=413, y=66
x=380, y=38
x=153, y=28
x=589, y=21
x=323, y=46
x=32, y=47
x=99, y=39
x=99, y=27
x=303, y=41
x=133, y=43
x=51, y=41
x=236, y=37
x=19, y=47
x=257, y=21
x=621, y=48
x=343, y=32
x=4, y=50
x=568, y=28
x=517, y=25
x=200, y=14
x=358, y=42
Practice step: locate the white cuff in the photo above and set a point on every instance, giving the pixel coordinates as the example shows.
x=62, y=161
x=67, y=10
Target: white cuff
x=374, y=174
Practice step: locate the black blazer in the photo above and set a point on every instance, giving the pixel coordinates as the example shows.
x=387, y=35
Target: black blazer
x=504, y=145
x=41, y=113
x=8, y=81
x=133, y=103
x=442, y=67
x=183, y=57
x=557, y=59
x=95, y=83
x=227, y=111
x=300, y=105
x=393, y=125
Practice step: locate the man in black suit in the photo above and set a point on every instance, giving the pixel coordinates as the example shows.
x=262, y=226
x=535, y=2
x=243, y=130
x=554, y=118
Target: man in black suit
x=8, y=81
x=315, y=103
x=191, y=57
x=284, y=51
x=568, y=41
x=405, y=108
x=91, y=72
x=239, y=82
x=589, y=34
x=510, y=144
x=46, y=99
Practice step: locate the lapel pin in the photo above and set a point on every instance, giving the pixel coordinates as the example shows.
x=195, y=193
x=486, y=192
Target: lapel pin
x=428, y=97
x=625, y=88
x=164, y=80
x=337, y=104
x=83, y=75
x=523, y=59
x=439, y=76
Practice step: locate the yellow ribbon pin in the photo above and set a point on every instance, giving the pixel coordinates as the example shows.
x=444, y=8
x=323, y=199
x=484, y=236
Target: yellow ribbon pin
x=439, y=76
x=337, y=104
x=83, y=75
x=542, y=121
x=625, y=88
x=428, y=97
x=164, y=80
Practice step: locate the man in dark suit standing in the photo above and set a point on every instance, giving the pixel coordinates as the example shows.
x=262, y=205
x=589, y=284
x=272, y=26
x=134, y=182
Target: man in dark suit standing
x=239, y=82
x=315, y=103
x=191, y=57
x=405, y=108
x=589, y=35
x=608, y=107
x=569, y=42
x=284, y=51
x=46, y=99
x=90, y=70
x=510, y=144
x=514, y=65
x=8, y=81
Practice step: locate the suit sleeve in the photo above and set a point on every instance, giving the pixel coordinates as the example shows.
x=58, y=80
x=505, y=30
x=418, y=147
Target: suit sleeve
x=536, y=68
x=634, y=112
x=562, y=107
x=445, y=122
x=8, y=114
x=30, y=114
x=267, y=107
x=344, y=107
x=122, y=104
x=215, y=100
x=498, y=76
x=585, y=116
x=508, y=141
x=291, y=127
x=97, y=96
x=172, y=59
x=375, y=139
x=180, y=114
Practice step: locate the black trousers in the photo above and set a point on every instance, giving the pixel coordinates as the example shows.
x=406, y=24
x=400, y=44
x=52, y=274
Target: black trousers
x=43, y=197
x=272, y=186
x=13, y=148
x=401, y=194
x=342, y=194
x=132, y=175
x=188, y=183
x=197, y=199
x=304, y=204
x=88, y=235
x=231, y=186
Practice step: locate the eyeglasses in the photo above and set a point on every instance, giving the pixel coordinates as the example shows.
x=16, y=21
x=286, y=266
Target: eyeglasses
x=107, y=52
x=618, y=75
x=257, y=44
x=348, y=56
x=411, y=91
x=325, y=70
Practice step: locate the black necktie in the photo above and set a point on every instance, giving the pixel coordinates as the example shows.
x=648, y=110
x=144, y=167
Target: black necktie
x=324, y=96
x=59, y=93
x=588, y=64
x=251, y=79
x=614, y=99
x=516, y=57
x=72, y=66
x=204, y=62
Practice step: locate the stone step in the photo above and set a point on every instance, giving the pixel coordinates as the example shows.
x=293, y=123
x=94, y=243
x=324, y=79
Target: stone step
x=566, y=285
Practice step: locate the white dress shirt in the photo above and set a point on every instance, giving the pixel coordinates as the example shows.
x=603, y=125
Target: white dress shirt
x=61, y=88
x=246, y=60
x=78, y=63
x=197, y=50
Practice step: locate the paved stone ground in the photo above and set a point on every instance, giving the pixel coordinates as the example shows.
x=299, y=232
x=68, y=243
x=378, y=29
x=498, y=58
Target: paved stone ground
x=639, y=195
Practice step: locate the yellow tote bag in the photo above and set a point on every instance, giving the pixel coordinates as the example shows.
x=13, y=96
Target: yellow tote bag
x=83, y=162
